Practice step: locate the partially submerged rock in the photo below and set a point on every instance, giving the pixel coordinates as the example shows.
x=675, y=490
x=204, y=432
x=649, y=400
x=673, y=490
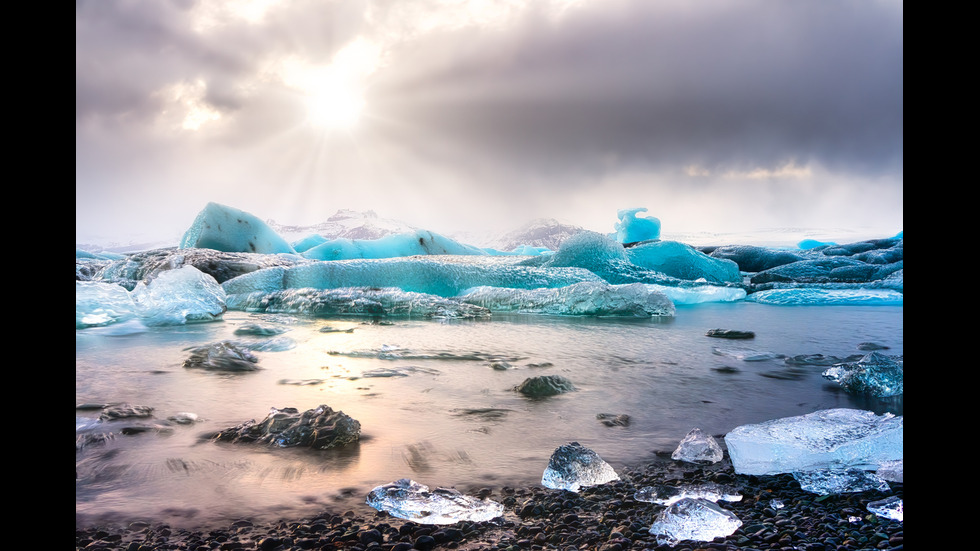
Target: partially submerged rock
x=320, y=428
x=222, y=356
x=544, y=385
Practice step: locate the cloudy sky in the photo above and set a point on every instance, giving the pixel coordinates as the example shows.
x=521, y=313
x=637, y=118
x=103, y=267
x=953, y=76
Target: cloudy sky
x=716, y=115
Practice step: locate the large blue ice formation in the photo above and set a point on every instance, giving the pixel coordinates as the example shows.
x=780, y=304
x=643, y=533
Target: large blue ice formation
x=446, y=277
x=588, y=298
x=308, y=242
x=231, y=230
x=683, y=262
x=356, y=301
x=816, y=296
x=420, y=242
x=825, y=439
x=631, y=229
x=813, y=244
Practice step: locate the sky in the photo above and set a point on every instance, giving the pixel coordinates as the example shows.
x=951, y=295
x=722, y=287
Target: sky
x=456, y=115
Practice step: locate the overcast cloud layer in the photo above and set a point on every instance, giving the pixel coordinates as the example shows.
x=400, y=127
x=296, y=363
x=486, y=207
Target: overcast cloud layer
x=715, y=115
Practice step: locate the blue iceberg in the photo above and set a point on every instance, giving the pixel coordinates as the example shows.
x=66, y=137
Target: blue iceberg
x=631, y=229
x=231, y=230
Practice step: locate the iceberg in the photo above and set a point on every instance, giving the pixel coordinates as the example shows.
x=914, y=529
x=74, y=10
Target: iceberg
x=875, y=374
x=232, y=230
x=668, y=495
x=840, y=481
x=698, y=447
x=683, y=261
x=180, y=296
x=356, y=301
x=701, y=294
x=693, y=519
x=409, y=500
x=810, y=295
x=826, y=439
x=587, y=298
x=890, y=507
x=415, y=243
x=444, y=276
x=98, y=304
x=573, y=466
x=631, y=229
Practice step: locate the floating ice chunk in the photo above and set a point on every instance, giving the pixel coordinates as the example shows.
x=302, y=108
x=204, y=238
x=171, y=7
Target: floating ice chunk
x=832, y=438
x=875, y=374
x=890, y=507
x=747, y=354
x=407, y=499
x=180, y=296
x=698, y=447
x=668, y=495
x=579, y=299
x=573, y=465
x=892, y=471
x=839, y=481
x=693, y=519
x=231, y=230
x=631, y=229
x=795, y=296
x=98, y=304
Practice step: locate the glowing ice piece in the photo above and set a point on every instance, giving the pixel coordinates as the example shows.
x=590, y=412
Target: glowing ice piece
x=832, y=438
x=232, y=230
x=693, y=519
x=893, y=471
x=371, y=301
x=890, y=507
x=631, y=229
x=98, y=304
x=407, y=499
x=698, y=447
x=875, y=374
x=668, y=495
x=573, y=466
x=180, y=296
x=839, y=481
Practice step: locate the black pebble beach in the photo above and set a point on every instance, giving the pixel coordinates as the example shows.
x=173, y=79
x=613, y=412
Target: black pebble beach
x=603, y=518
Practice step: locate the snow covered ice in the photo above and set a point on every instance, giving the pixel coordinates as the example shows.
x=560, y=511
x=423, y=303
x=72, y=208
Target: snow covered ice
x=693, y=519
x=407, y=499
x=698, y=447
x=833, y=438
x=573, y=466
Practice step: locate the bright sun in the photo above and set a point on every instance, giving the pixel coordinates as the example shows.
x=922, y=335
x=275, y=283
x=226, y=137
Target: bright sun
x=335, y=104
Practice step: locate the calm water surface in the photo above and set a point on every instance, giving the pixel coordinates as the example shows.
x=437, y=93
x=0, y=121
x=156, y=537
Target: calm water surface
x=442, y=415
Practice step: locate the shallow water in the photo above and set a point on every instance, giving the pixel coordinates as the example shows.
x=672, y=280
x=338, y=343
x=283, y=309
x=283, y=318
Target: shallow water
x=433, y=407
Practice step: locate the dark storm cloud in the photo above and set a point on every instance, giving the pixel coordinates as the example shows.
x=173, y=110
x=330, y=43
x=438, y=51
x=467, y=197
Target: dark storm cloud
x=726, y=85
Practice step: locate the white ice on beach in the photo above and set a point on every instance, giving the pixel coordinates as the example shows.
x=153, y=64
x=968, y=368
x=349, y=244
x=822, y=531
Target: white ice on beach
x=667, y=495
x=890, y=507
x=840, y=481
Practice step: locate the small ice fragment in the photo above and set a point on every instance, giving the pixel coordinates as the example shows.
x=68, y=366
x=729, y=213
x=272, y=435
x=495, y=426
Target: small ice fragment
x=668, y=495
x=409, y=500
x=698, y=447
x=693, y=519
x=777, y=504
x=890, y=507
x=839, y=481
